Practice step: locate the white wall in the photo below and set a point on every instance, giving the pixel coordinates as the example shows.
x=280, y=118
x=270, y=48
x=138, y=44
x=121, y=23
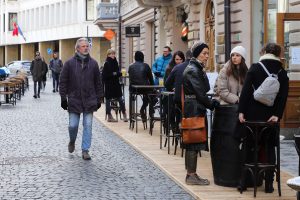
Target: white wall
x=42, y=20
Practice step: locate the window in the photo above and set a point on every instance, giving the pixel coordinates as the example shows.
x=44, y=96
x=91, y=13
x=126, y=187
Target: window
x=12, y=18
x=3, y=22
x=90, y=10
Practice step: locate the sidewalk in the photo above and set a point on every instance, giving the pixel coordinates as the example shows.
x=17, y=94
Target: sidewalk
x=173, y=165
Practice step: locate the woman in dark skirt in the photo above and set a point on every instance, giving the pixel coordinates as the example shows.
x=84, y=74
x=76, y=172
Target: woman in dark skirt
x=195, y=86
x=252, y=110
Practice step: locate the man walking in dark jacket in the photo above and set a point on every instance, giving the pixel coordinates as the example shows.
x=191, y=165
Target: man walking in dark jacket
x=80, y=89
x=38, y=69
x=56, y=66
x=140, y=74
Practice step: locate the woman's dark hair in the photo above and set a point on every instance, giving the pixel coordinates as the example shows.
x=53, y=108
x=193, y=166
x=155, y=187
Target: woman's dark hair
x=238, y=73
x=273, y=48
x=173, y=63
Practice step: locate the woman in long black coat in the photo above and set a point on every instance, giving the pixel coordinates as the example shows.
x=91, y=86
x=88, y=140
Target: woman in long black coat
x=111, y=74
x=196, y=101
x=252, y=110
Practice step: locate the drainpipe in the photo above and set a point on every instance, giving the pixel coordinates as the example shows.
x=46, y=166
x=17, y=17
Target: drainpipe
x=227, y=29
x=120, y=33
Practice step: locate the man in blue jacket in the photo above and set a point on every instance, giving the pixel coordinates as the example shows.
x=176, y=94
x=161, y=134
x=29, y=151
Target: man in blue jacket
x=160, y=64
x=81, y=91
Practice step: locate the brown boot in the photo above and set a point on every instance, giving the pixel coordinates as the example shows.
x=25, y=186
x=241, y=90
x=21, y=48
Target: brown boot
x=125, y=119
x=110, y=118
x=86, y=155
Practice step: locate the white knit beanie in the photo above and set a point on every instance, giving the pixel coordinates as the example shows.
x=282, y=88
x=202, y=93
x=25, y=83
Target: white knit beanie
x=240, y=50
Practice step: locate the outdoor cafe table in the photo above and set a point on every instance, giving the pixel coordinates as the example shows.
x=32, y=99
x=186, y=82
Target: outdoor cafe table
x=168, y=95
x=133, y=102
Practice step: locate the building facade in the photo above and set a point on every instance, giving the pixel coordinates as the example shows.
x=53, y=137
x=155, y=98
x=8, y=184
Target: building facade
x=48, y=26
x=251, y=24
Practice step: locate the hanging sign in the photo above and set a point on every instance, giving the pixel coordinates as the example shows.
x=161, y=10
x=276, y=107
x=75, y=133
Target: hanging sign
x=133, y=31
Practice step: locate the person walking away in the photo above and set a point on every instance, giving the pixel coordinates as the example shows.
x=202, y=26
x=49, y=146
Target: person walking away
x=55, y=66
x=37, y=68
x=111, y=74
x=80, y=89
x=160, y=64
x=228, y=88
x=140, y=74
x=252, y=110
x=45, y=75
x=196, y=86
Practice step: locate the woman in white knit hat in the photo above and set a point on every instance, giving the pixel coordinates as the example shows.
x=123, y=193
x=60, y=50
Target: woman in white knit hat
x=232, y=76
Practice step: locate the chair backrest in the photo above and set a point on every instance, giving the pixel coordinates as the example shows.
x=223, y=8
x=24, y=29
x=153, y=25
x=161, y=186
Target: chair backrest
x=297, y=143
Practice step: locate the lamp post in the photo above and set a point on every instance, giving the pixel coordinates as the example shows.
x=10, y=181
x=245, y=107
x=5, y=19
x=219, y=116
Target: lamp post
x=227, y=29
x=120, y=32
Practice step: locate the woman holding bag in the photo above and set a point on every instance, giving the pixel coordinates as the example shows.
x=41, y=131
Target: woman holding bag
x=196, y=101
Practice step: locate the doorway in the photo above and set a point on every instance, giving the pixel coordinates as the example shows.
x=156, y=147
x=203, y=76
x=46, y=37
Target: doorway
x=286, y=36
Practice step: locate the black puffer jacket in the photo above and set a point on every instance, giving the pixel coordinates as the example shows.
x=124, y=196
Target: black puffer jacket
x=195, y=83
x=140, y=74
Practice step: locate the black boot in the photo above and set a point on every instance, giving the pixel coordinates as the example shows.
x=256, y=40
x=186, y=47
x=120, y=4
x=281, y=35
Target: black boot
x=269, y=178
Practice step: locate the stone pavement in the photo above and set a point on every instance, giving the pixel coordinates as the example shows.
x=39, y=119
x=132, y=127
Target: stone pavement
x=35, y=163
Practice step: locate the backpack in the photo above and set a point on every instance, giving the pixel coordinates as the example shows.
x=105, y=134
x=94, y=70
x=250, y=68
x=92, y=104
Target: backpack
x=268, y=90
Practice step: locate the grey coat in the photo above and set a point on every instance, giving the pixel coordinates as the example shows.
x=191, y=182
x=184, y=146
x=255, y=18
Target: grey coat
x=81, y=84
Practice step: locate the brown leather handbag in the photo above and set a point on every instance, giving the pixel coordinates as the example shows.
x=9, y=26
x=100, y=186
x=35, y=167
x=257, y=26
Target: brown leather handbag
x=193, y=128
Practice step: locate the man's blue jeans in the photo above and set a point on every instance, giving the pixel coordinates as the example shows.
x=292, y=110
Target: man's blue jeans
x=87, y=129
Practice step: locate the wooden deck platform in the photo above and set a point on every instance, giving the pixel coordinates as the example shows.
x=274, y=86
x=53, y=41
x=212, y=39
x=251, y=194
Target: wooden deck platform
x=173, y=165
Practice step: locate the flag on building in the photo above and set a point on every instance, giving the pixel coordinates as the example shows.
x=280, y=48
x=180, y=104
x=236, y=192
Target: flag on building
x=18, y=30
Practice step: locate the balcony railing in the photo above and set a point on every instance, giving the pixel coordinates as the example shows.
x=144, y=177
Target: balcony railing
x=107, y=11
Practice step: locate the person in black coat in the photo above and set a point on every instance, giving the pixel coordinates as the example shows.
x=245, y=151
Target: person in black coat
x=173, y=83
x=195, y=86
x=140, y=74
x=112, y=87
x=252, y=110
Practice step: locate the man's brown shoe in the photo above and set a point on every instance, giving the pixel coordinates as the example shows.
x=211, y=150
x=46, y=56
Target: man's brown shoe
x=71, y=147
x=86, y=155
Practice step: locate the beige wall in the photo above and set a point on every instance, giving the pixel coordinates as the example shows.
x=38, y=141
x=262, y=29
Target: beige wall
x=27, y=51
x=11, y=53
x=95, y=51
x=2, y=56
x=43, y=46
x=145, y=18
x=66, y=49
x=104, y=46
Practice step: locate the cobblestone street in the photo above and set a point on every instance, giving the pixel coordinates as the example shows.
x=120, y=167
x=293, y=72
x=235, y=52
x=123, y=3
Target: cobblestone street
x=35, y=163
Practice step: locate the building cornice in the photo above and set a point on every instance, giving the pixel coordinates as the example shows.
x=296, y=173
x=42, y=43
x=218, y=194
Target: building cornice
x=154, y=3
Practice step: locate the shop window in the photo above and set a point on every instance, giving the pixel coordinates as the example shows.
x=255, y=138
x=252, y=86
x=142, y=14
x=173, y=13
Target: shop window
x=90, y=10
